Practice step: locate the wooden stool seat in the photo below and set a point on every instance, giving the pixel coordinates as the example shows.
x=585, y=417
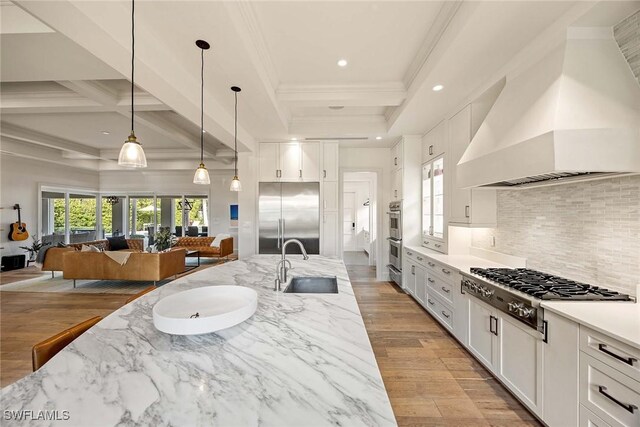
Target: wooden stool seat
x=45, y=350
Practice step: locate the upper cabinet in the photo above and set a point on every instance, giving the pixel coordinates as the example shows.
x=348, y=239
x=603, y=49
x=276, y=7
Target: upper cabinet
x=434, y=142
x=290, y=161
x=434, y=230
x=330, y=156
x=468, y=207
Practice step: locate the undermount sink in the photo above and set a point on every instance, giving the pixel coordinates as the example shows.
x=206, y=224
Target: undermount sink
x=312, y=285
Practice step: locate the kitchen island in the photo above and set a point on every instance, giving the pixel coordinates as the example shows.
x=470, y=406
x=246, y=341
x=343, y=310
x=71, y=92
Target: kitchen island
x=302, y=359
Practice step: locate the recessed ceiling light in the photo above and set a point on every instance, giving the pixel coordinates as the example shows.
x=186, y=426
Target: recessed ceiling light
x=105, y=132
x=342, y=63
x=294, y=139
x=438, y=88
x=378, y=138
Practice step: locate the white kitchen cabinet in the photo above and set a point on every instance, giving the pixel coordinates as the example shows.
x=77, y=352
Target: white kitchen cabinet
x=468, y=207
x=481, y=333
x=519, y=352
x=409, y=275
x=421, y=286
x=330, y=196
x=290, y=161
x=330, y=234
x=589, y=419
x=396, y=184
x=269, y=162
x=434, y=231
x=396, y=156
x=434, y=142
x=461, y=312
x=560, y=371
x=330, y=161
x=310, y=161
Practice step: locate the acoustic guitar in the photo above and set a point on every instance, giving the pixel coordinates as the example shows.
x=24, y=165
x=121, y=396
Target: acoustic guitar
x=18, y=230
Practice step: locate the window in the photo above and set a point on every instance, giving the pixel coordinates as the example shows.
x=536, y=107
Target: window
x=82, y=218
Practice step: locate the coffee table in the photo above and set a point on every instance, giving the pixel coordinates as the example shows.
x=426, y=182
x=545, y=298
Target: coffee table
x=191, y=254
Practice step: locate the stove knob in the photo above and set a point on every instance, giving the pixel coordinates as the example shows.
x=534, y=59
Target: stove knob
x=525, y=312
x=486, y=292
x=513, y=306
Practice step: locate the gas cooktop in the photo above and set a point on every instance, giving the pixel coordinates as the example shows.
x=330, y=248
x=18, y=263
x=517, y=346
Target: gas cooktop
x=546, y=286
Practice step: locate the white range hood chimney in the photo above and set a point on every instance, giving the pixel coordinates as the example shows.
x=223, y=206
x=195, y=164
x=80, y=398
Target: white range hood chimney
x=574, y=114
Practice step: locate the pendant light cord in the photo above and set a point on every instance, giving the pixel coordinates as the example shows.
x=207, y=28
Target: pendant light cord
x=202, y=108
x=133, y=55
x=235, y=135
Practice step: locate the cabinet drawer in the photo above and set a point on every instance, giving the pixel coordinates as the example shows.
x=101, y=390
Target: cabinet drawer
x=442, y=287
x=589, y=419
x=609, y=394
x=440, y=311
x=614, y=353
x=412, y=255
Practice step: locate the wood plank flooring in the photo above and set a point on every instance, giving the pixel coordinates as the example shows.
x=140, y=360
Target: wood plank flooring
x=431, y=380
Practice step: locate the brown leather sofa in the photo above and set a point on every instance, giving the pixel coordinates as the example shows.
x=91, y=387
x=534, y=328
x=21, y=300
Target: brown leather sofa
x=141, y=266
x=203, y=245
x=53, y=258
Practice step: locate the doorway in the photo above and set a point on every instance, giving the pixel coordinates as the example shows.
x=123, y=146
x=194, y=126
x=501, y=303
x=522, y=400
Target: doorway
x=359, y=219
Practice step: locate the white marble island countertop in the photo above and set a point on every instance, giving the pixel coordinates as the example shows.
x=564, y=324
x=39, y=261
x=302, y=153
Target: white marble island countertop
x=302, y=359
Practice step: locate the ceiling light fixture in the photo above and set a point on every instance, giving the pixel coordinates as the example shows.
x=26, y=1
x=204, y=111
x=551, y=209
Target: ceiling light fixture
x=437, y=88
x=202, y=174
x=131, y=153
x=105, y=132
x=294, y=139
x=378, y=138
x=235, y=182
x=342, y=63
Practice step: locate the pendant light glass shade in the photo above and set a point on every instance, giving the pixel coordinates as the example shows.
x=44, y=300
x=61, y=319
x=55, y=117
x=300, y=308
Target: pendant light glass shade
x=235, y=184
x=201, y=176
x=132, y=154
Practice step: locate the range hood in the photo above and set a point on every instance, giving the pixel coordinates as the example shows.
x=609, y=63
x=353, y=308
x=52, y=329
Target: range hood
x=573, y=115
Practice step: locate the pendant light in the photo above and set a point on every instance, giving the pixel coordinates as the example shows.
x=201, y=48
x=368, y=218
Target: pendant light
x=235, y=183
x=131, y=153
x=202, y=174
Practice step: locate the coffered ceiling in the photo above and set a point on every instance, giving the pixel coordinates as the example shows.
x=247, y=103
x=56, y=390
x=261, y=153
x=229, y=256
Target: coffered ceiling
x=70, y=57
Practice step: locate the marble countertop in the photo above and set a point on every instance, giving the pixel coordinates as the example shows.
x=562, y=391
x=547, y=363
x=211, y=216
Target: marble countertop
x=619, y=320
x=462, y=263
x=300, y=360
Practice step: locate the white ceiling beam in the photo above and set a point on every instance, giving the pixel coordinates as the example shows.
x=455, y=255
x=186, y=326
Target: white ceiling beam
x=92, y=90
x=164, y=165
x=19, y=148
x=156, y=154
x=369, y=95
x=18, y=133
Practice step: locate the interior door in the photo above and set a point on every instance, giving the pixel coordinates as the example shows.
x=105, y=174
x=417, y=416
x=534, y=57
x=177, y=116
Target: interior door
x=301, y=215
x=270, y=214
x=349, y=222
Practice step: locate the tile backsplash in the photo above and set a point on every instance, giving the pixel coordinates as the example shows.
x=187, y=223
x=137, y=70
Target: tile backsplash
x=586, y=231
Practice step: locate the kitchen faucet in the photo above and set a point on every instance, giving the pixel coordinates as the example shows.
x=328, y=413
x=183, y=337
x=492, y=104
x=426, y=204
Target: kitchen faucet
x=281, y=268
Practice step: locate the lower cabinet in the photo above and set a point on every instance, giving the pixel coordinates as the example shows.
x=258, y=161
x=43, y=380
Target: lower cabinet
x=330, y=234
x=482, y=333
x=589, y=419
x=560, y=373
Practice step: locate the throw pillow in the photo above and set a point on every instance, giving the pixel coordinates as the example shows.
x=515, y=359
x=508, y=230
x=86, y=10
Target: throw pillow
x=219, y=238
x=89, y=248
x=117, y=243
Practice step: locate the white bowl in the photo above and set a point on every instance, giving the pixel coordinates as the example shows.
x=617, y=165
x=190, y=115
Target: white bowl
x=204, y=310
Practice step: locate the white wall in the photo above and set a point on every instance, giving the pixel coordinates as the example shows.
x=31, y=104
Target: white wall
x=373, y=160
x=19, y=181
x=362, y=183
x=177, y=183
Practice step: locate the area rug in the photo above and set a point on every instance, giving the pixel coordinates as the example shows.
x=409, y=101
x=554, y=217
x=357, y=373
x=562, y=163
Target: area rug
x=59, y=284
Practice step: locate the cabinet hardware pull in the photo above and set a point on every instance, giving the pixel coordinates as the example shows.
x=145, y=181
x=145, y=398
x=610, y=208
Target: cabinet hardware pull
x=628, y=406
x=491, y=319
x=395, y=161
x=445, y=271
x=445, y=289
x=420, y=258
x=413, y=270
x=466, y=211
x=545, y=325
x=627, y=360
x=461, y=291
x=300, y=173
x=430, y=302
x=427, y=243
x=438, y=245
x=445, y=314
x=431, y=150
x=430, y=280
x=409, y=253
x=324, y=172
x=431, y=264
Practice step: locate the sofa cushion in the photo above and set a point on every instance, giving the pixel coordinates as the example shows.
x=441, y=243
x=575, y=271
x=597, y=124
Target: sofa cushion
x=219, y=238
x=89, y=248
x=117, y=243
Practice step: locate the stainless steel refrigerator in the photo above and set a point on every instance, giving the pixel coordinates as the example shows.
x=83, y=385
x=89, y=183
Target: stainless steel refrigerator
x=289, y=210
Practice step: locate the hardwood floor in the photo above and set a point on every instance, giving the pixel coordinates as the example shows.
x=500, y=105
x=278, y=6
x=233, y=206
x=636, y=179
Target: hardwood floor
x=431, y=380
x=30, y=317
